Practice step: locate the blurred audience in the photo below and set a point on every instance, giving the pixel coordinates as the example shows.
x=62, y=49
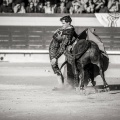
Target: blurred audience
x=49, y=9
x=90, y=6
x=103, y=9
x=40, y=8
x=68, y=5
x=30, y=7
x=6, y=6
x=77, y=7
x=119, y=6
x=59, y=6
x=113, y=6
x=100, y=6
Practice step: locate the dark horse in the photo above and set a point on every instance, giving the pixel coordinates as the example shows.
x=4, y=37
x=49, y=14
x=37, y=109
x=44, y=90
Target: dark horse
x=86, y=56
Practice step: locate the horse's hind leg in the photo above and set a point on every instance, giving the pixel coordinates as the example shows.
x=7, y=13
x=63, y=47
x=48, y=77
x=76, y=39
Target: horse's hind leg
x=106, y=86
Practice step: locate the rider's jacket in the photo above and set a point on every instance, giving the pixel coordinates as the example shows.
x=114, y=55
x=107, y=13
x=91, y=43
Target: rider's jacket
x=61, y=39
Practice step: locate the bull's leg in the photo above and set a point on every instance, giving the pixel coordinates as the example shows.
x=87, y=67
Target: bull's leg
x=93, y=81
x=90, y=74
x=92, y=77
x=76, y=80
x=81, y=83
x=76, y=75
x=106, y=86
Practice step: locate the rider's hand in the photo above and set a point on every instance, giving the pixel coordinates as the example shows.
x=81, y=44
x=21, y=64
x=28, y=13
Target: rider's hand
x=53, y=61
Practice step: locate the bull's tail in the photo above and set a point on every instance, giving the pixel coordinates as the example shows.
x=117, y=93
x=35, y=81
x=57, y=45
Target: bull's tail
x=63, y=64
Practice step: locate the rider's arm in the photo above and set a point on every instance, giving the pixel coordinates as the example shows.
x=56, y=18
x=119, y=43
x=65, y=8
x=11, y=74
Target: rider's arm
x=69, y=35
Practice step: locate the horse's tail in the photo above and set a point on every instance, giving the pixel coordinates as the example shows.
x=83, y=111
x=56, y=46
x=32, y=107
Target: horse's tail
x=63, y=64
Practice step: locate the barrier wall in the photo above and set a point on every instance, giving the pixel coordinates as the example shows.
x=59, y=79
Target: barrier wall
x=38, y=38
x=33, y=19
x=32, y=33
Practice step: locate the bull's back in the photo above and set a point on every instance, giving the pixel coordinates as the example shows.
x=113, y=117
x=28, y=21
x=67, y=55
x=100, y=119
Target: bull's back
x=94, y=52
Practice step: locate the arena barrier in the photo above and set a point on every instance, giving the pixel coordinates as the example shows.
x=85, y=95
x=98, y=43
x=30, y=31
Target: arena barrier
x=30, y=34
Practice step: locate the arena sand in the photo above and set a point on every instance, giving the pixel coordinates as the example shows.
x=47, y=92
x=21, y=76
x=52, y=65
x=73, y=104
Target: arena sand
x=26, y=94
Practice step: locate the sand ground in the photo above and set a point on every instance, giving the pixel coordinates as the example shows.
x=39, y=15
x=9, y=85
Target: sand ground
x=26, y=94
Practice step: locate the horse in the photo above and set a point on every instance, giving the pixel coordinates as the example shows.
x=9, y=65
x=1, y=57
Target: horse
x=84, y=62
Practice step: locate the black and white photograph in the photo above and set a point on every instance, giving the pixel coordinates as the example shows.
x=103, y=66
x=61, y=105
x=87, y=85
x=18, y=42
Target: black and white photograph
x=59, y=59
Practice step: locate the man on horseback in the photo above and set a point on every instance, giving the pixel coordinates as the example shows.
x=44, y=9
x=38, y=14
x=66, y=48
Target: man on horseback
x=62, y=38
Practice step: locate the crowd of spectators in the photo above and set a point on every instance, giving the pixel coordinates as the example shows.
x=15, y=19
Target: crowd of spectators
x=59, y=6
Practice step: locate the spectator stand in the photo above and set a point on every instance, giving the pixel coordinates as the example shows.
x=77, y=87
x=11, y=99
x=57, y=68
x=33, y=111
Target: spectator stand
x=51, y=6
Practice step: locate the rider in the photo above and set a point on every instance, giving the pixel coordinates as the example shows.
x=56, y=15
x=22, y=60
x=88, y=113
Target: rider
x=62, y=38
